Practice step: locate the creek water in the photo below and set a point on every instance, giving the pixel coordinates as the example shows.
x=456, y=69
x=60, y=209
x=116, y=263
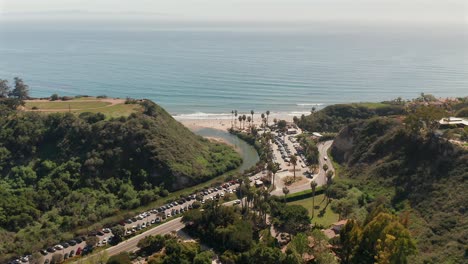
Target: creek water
x=248, y=153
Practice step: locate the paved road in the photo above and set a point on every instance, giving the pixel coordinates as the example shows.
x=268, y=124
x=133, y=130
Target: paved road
x=131, y=244
x=320, y=177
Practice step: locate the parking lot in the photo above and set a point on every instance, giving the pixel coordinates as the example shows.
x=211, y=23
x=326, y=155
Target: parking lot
x=143, y=221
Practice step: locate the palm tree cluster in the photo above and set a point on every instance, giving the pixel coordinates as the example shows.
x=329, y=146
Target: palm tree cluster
x=235, y=116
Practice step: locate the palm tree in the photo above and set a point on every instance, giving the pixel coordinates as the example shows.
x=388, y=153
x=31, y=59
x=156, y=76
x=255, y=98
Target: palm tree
x=293, y=161
x=235, y=114
x=325, y=167
x=267, y=114
x=263, y=121
x=232, y=118
x=285, y=191
x=329, y=182
x=244, y=117
x=312, y=110
x=249, y=119
x=252, y=113
x=313, y=186
x=273, y=167
x=240, y=122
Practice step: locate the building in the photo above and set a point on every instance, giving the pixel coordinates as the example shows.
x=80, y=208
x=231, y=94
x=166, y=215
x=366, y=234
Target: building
x=453, y=121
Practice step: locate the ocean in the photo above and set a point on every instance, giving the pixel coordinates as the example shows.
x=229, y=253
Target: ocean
x=207, y=72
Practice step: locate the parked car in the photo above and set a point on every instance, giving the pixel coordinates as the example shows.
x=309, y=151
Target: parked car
x=58, y=247
x=51, y=250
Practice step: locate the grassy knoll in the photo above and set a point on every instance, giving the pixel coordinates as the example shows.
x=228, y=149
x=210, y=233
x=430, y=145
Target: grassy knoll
x=114, y=110
x=328, y=218
x=57, y=105
x=107, y=107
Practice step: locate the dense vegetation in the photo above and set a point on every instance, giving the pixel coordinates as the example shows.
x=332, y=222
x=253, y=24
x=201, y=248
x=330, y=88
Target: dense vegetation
x=332, y=118
x=418, y=173
x=60, y=171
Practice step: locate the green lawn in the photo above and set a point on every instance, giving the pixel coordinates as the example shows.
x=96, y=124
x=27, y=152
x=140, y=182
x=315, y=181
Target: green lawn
x=55, y=105
x=86, y=104
x=115, y=110
x=327, y=219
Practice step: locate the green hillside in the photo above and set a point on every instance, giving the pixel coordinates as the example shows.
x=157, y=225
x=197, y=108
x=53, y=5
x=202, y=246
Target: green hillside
x=422, y=175
x=62, y=171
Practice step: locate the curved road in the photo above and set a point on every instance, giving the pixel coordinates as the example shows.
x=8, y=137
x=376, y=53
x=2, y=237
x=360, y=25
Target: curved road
x=176, y=224
x=320, y=178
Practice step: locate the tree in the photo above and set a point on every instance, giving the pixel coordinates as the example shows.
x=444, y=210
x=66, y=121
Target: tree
x=249, y=119
x=240, y=122
x=54, y=97
x=312, y=111
x=267, y=115
x=329, y=182
x=282, y=125
x=235, y=117
x=325, y=167
x=274, y=168
x=118, y=232
x=285, y=191
x=313, y=186
x=204, y=257
x=92, y=241
x=4, y=88
x=122, y=258
x=252, y=113
x=424, y=119
x=350, y=235
x=151, y=244
x=21, y=90
x=294, y=218
x=293, y=160
x=244, y=117
x=232, y=119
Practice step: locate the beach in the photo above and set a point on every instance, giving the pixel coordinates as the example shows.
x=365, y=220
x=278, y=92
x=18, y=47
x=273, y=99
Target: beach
x=224, y=122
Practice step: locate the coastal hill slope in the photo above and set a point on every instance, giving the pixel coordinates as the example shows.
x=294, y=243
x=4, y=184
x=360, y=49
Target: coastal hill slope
x=63, y=171
x=422, y=175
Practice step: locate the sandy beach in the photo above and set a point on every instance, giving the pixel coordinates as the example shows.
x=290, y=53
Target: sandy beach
x=224, y=122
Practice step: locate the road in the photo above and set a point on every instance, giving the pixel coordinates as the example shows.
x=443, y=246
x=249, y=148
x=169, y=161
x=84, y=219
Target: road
x=131, y=244
x=320, y=178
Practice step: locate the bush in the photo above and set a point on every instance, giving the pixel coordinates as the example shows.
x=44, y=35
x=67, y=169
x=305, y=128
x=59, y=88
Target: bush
x=54, y=97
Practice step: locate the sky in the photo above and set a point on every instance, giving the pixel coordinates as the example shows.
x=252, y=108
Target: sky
x=385, y=11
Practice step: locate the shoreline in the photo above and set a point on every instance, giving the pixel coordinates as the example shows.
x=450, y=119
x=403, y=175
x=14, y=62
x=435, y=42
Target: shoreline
x=224, y=122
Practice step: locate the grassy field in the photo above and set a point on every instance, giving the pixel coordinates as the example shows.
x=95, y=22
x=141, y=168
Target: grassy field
x=114, y=110
x=85, y=104
x=56, y=105
x=327, y=219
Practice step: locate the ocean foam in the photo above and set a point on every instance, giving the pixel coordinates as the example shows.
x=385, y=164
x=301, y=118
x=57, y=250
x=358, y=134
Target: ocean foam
x=201, y=115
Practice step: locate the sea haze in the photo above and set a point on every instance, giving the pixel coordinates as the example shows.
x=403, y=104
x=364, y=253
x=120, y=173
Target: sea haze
x=207, y=72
